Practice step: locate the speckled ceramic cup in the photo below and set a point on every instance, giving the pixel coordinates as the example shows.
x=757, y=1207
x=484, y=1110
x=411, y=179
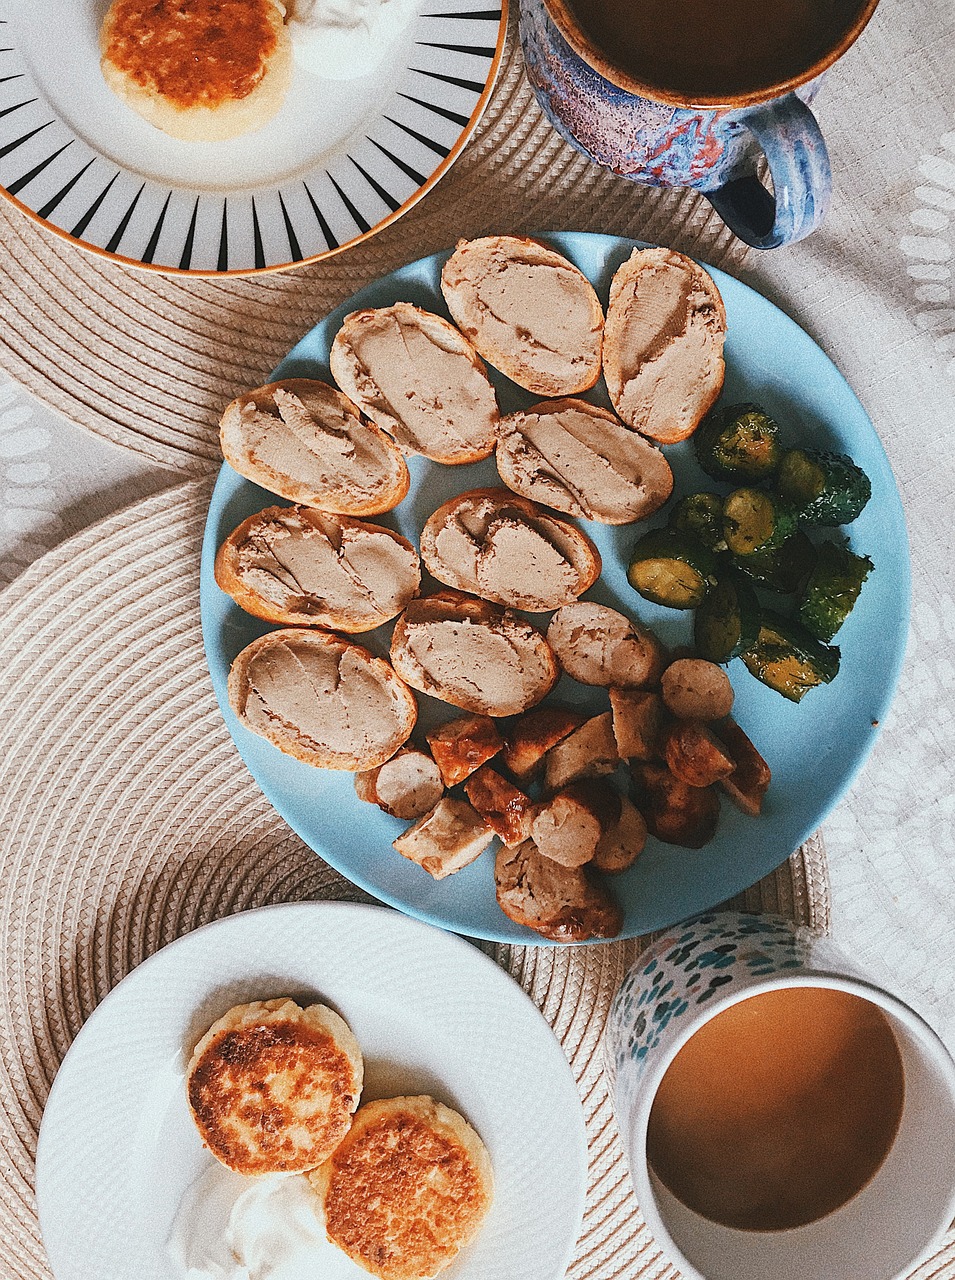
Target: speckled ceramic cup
x=695, y=972
x=671, y=138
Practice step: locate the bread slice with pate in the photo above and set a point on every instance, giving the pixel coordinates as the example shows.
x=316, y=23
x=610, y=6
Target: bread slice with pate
x=529, y=312
x=305, y=441
x=419, y=379
x=321, y=699
x=663, y=343
x=505, y=549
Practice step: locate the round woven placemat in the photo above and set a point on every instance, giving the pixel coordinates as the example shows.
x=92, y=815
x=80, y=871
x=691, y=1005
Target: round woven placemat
x=149, y=361
x=127, y=818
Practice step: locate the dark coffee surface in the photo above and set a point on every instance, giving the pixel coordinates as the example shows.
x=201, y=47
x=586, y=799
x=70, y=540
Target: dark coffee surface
x=714, y=48
x=780, y=1110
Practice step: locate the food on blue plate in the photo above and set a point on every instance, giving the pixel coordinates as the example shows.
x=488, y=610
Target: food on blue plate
x=508, y=550
x=597, y=645
x=695, y=689
x=833, y=588
x=472, y=654
x=671, y=567
x=788, y=659
x=303, y=567
x=825, y=488
x=675, y=811
x=407, y=1189
x=407, y=786
x=305, y=441
x=663, y=343
x=505, y=808
x=531, y=736
x=638, y=721
x=726, y=624
x=322, y=699
x=446, y=839
x=569, y=825
x=200, y=70
x=528, y=311
x=581, y=459
x=700, y=514
x=695, y=755
x=738, y=442
x=621, y=845
x=588, y=752
x=462, y=745
x=748, y=783
x=784, y=569
x=419, y=379
x=563, y=904
x=756, y=520
x=273, y=1086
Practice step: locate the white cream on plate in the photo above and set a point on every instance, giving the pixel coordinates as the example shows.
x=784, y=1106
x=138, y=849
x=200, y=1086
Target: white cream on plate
x=345, y=39
x=229, y=1227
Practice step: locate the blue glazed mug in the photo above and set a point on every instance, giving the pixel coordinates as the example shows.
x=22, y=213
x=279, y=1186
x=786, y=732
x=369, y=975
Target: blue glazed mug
x=698, y=970
x=667, y=137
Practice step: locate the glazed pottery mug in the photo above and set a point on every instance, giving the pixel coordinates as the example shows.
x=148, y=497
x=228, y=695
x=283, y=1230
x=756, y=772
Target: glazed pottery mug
x=691, y=94
x=721, y=994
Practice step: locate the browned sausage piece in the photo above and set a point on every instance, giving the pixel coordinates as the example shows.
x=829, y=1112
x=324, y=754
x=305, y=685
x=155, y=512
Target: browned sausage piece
x=406, y=786
x=463, y=745
x=589, y=752
x=620, y=847
x=560, y=903
x=505, y=809
x=446, y=839
x=749, y=781
x=638, y=717
x=533, y=734
x=569, y=826
x=674, y=812
x=694, y=755
x=695, y=689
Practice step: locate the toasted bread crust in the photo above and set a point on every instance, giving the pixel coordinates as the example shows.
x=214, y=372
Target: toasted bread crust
x=472, y=654
x=337, y=739
x=506, y=549
x=272, y=1087
x=664, y=362
x=383, y=1204
x=544, y=329
x=354, y=468
x=358, y=602
x=435, y=399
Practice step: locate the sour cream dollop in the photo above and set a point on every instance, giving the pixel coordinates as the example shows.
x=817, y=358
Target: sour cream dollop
x=229, y=1227
x=345, y=39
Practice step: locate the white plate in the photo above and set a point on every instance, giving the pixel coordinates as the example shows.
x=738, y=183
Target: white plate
x=340, y=160
x=432, y=1014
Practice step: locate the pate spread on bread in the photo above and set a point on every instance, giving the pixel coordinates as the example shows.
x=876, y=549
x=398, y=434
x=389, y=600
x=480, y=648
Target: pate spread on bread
x=581, y=459
x=472, y=654
x=505, y=549
x=528, y=311
x=418, y=378
x=305, y=441
x=304, y=567
x=200, y=70
x=324, y=700
x=663, y=343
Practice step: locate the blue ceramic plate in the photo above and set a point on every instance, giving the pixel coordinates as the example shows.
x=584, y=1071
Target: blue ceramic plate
x=814, y=749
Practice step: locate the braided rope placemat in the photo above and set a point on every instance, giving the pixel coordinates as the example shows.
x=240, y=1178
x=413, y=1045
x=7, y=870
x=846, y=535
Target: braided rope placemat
x=127, y=819
x=149, y=361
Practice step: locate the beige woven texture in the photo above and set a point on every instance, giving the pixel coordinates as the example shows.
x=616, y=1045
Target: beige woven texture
x=149, y=361
x=127, y=819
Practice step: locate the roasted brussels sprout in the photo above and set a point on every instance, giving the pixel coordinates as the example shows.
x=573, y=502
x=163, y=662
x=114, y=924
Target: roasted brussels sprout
x=702, y=515
x=788, y=659
x=737, y=442
x=824, y=488
x=832, y=589
x=671, y=567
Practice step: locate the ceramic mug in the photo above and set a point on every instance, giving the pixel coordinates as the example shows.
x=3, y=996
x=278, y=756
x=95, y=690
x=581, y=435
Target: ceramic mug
x=663, y=138
x=698, y=970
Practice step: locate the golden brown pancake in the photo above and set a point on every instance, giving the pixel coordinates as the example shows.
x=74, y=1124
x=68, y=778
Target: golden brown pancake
x=406, y=1189
x=273, y=1087
x=198, y=69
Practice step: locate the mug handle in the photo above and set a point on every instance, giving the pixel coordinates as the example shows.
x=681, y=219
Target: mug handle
x=795, y=150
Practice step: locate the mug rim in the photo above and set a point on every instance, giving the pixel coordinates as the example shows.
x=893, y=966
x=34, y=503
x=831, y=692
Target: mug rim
x=561, y=15
x=926, y=1035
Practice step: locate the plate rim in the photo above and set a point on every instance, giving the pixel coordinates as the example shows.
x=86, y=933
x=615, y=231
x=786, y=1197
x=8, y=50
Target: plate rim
x=491, y=971
x=864, y=743
x=464, y=137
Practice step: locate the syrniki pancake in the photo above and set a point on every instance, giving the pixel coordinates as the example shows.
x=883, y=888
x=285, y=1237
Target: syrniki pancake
x=272, y=1087
x=407, y=1189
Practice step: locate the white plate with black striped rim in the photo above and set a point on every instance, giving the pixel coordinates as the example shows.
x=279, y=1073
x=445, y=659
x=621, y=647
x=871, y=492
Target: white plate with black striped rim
x=341, y=159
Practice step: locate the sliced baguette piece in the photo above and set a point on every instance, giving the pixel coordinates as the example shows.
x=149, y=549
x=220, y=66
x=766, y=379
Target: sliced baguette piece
x=528, y=311
x=419, y=379
x=407, y=786
x=307, y=442
x=508, y=550
x=663, y=344
x=581, y=459
x=472, y=654
x=559, y=903
x=304, y=567
x=321, y=699
x=446, y=839
x=599, y=646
